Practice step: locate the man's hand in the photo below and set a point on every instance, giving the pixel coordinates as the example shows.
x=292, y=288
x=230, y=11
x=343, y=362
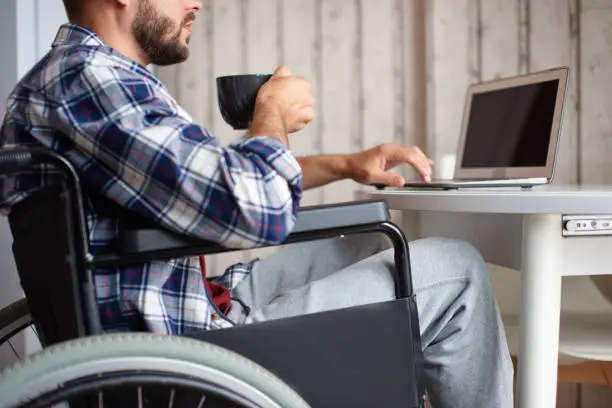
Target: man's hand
x=372, y=166
x=285, y=104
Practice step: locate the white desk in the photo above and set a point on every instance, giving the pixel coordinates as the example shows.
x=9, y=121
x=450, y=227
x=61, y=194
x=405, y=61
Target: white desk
x=544, y=257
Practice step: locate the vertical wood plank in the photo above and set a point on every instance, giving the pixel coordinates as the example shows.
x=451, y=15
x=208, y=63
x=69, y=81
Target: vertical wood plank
x=300, y=52
x=378, y=51
x=339, y=86
x=194, y=79
x=575, y=91
x=475, y=33
x=228, y=54
x=524, y=44
x=228, y=58
x=500, y=38
x=551, y=45
x=399, y=49
x=169, y=77
x=261, y=36
x=596, y=92
x=454, y=50
x=411, y=121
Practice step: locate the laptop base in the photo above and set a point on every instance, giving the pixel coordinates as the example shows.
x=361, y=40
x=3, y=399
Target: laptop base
x=457, y=184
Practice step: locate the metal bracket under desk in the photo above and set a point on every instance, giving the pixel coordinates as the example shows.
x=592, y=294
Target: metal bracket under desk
x=586, y=225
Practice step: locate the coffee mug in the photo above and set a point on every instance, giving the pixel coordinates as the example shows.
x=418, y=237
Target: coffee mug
x=236, y=97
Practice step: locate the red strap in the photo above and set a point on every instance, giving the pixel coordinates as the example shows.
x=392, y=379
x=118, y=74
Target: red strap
x=219, y=294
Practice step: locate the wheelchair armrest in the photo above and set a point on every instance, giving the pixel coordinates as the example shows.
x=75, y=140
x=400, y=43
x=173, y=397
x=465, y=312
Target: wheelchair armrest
x=141, y=241
x=137, y=236
x=328, y=216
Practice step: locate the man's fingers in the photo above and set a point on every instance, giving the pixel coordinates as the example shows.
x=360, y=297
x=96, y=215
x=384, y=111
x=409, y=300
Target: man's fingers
x=417, y=159
x=389, y=179
x=425, y=175
x=420, y=162
x=421, y=158
x=282, y=71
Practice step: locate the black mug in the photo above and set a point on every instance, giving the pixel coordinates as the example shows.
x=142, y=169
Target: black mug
x=236, y=97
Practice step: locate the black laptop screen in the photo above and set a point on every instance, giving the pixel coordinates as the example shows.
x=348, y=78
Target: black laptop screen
x=511, y=127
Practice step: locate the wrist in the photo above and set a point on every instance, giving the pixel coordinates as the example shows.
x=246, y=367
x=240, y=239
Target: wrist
x=344, y=166
x=268, y=121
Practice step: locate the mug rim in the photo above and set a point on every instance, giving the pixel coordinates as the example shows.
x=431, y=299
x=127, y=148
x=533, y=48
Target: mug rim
x=243, y=76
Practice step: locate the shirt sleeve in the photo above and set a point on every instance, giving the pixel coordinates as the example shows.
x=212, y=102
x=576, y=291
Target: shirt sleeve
x=136, y=146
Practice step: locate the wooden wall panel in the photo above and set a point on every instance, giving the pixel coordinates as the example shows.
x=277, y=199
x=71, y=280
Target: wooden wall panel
x=197, y=95
x=228, y=55
x=453, y=54
x=596, y=92
x=261, y=37
x=411, y=120
x=339, y=85
x=500, y=38
x=169, y=77
x=376, y=59
x=228, y=58
x=552, y=43
x=300, y=51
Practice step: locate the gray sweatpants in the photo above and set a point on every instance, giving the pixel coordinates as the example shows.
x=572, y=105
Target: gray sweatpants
x=467, y=361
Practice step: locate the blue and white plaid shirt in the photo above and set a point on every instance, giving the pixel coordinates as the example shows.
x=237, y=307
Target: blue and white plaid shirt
x=130, y=141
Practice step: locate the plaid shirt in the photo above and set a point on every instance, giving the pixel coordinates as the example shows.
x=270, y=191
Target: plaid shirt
x=130, y=141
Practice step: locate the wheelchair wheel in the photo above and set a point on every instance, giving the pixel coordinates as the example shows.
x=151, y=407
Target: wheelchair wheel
x=16, y=330
x=13, y=319
x=142, y=370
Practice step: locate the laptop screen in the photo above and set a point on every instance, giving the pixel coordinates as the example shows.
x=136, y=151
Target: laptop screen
x=510, y=127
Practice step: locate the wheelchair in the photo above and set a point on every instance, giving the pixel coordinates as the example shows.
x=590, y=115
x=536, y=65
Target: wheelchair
x=364, y=356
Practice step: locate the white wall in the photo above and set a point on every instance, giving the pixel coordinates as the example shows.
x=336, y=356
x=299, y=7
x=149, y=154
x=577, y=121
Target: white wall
x=8, y=75
x=27, y=29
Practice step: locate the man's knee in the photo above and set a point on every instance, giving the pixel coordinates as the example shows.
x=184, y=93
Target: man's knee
x=441, y=259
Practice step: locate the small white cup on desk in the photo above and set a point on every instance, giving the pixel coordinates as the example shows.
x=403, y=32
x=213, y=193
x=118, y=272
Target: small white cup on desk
x=444, y=168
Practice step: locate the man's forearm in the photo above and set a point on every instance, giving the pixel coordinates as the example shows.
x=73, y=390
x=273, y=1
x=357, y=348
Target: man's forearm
x=318, y=171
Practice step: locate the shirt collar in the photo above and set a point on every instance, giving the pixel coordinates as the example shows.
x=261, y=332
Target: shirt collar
x=72, y=34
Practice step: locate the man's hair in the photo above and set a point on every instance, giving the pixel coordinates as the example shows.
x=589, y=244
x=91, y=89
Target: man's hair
x=73, y=7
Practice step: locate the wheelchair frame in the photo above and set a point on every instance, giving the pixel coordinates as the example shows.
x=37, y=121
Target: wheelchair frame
x=141, y=241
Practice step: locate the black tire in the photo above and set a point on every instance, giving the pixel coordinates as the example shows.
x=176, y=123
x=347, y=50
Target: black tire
x=13, y=319
x=45, y=375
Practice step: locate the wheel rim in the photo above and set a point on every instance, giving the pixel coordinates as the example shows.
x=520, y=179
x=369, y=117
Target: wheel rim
x=17, y=332
x=99, y=384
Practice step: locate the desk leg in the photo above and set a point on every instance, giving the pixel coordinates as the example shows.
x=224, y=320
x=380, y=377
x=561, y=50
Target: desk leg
x=540, y=312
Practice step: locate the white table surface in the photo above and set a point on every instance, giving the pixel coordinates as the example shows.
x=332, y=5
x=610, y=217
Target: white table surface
x=538, y=200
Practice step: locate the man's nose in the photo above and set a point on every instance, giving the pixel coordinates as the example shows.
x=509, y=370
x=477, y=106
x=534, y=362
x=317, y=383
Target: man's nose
x=196, y=5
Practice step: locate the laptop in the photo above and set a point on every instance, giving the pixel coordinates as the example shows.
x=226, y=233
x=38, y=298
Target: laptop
x=510, y=132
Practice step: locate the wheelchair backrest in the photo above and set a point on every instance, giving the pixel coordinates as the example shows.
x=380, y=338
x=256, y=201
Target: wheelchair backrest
x=50, y=247
x=44, y=251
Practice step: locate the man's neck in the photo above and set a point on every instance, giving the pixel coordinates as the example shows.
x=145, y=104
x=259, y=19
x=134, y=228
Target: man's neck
x=111, y=31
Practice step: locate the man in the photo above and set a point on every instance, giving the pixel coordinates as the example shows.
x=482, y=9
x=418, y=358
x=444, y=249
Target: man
x=92, y=99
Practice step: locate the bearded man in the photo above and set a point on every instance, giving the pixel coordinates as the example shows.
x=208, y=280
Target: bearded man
x=92, y=100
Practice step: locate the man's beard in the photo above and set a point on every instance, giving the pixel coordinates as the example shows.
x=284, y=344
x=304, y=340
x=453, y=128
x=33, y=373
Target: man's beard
x=154, y=33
